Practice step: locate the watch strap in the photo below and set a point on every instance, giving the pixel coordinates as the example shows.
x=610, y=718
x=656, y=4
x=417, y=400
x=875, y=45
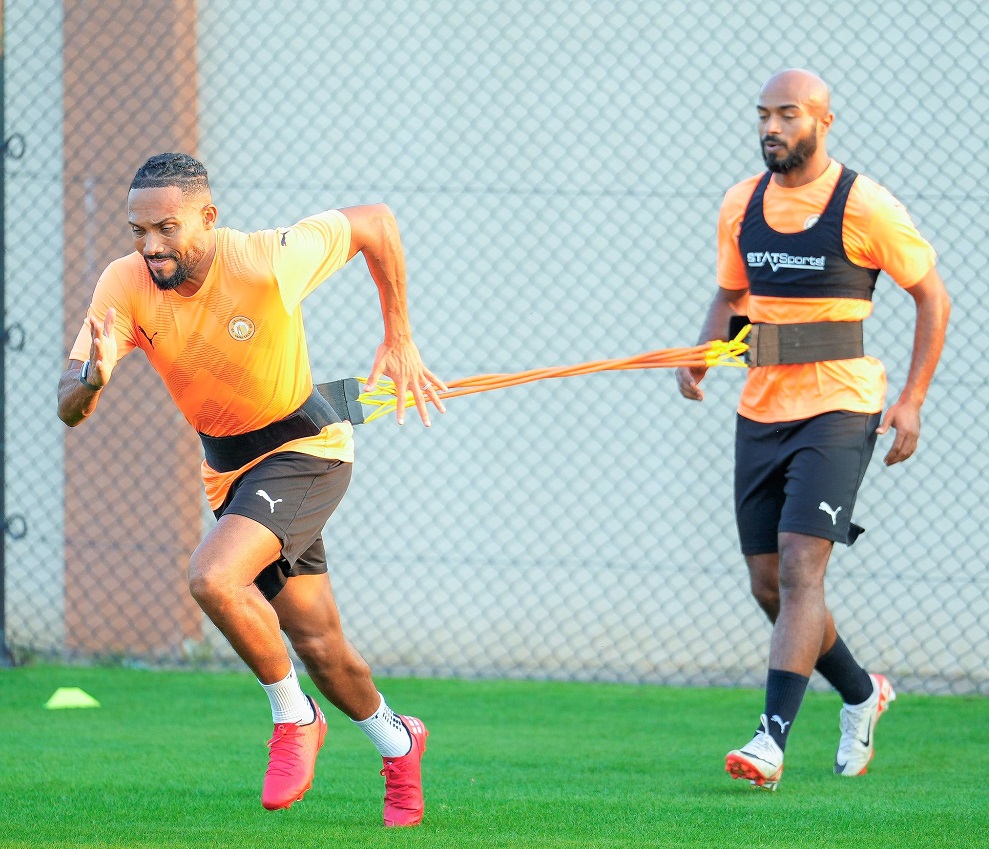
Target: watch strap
x=83, y=374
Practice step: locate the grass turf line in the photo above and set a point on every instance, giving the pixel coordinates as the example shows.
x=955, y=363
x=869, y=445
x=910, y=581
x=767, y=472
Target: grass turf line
x=175, y=759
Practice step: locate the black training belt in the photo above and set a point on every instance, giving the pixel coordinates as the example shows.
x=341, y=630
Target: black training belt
x=790, y=344
x=343, y=395
x=329, y=403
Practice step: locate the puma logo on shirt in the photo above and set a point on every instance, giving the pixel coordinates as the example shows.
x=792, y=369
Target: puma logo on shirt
x=151, y=338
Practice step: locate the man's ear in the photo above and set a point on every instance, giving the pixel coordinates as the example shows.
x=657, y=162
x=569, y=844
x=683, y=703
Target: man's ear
x=210, y=213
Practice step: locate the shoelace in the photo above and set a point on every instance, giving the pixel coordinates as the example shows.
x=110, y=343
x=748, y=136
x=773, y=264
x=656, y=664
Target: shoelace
x=763, y=743
x=849, y=721
x=851, y=718
x=400, y=794
x=285, y=745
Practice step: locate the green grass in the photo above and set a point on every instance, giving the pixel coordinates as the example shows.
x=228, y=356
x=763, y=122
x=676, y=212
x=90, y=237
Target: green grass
x=175, y=759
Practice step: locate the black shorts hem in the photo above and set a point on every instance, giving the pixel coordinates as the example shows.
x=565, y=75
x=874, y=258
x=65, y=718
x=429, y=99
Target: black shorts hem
x=844, y=538
x=276, y=529
x=273, y=577
x=755, y=549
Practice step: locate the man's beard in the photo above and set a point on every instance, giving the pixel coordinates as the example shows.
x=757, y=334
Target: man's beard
x=794, y=158
x=184, y=266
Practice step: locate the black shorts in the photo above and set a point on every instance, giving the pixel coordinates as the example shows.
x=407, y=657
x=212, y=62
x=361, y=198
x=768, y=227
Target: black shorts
x=292, y=495
x=800, y=477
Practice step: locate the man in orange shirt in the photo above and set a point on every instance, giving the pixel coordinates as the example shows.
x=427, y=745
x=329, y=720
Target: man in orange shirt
x=799, y=250
x=218, y=314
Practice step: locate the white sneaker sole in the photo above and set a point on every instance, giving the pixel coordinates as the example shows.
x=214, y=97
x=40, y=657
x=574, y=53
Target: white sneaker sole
x=738, y=766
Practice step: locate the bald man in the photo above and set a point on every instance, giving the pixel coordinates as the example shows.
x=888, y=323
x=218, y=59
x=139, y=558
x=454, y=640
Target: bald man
x=800, y=247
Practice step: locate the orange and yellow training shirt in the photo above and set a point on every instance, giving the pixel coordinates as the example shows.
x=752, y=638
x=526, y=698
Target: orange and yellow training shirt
x=877, y=233
x=233, y=355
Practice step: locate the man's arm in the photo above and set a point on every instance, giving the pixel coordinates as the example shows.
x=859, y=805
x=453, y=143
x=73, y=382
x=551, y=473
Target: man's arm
x=78, y=400
x=933, y=308
x=374, y=233
x=726, y=303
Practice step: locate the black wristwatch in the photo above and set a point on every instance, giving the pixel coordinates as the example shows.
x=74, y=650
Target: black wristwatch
x=83, y=374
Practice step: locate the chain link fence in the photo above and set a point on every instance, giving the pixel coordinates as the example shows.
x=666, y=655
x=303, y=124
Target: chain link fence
x=556, y=169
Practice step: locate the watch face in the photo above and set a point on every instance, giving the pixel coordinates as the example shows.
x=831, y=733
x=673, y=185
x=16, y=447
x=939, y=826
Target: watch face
x=85, y=370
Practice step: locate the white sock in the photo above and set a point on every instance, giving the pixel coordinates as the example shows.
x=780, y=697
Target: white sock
x=389, y=735
x=288, y=702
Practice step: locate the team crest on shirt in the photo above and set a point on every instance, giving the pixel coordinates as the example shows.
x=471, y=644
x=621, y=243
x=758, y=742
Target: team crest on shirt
x=241, y=328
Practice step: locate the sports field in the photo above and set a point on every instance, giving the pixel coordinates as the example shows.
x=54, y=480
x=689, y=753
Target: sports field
x=175, y=759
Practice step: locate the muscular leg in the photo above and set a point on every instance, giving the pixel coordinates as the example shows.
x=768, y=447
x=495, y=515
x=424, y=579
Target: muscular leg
x=793, y=599
x=308, y=614
x=835, y=662
x=221, y=578
x=799, y=631
x=764, y=579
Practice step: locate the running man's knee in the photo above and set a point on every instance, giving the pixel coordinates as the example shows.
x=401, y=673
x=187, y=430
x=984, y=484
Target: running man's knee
x=202, y=586
x=229, y=558
x=803, y=562
x=767, y=597
x=208, y=583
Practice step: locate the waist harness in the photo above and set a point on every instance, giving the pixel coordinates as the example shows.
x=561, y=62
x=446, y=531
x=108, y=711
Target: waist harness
x=790, y=344
x=329, y=403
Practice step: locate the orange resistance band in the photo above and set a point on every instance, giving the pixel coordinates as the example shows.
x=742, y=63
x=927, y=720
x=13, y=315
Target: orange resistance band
x=709, y=354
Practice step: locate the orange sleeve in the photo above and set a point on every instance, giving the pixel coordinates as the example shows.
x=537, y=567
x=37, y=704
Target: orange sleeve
x=304, y=255
x=109, y=292
x=731, y=267
x=885, y=236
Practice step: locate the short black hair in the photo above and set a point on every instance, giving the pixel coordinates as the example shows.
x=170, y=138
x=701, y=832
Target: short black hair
x=172, y=169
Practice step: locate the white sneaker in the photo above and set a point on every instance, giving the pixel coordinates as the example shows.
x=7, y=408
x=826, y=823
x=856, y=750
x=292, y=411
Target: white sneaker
x=760, y=760
x=858, y=725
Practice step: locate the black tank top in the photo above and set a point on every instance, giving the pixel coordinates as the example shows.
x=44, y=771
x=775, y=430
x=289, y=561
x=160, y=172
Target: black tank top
x=808, y=264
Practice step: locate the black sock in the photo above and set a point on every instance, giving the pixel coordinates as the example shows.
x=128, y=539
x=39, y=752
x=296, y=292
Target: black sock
x=784, y=693
x=844, y=674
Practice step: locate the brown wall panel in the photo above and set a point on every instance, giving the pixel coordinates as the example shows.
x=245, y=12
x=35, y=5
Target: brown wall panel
x=132, y=494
